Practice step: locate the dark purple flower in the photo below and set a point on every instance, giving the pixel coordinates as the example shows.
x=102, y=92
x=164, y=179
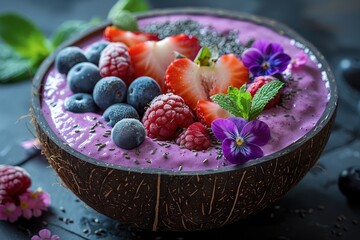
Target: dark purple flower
x=265, y=58
x=241, y=140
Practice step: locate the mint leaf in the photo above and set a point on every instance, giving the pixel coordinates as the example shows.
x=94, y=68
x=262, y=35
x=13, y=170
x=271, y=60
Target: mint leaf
x=128, y=5
x=244, y=102
x=13, y=68
x=125, y=20
x=23, y=36
x=263, y=96
x=227, y=103
x=70, y=29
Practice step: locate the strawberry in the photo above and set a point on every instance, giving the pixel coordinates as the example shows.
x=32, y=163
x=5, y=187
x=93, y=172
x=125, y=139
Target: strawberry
x=194, y=82
x=208, y=111
x=151, y=58
x=114, y=34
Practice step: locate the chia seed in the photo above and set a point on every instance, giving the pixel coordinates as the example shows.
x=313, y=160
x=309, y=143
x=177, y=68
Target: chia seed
x=226, y=42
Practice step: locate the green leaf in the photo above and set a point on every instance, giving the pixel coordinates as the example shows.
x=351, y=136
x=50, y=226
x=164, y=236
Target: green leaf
x=23, y=36
x=243, y=102
x=13, y=68
x=128, y=5
x=227, y=103
x=70, y=29
x=263, y=96
x=125, y=20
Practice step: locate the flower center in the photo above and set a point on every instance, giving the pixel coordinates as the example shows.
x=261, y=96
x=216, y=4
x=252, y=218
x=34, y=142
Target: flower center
x=265, y=65
x=239, y=141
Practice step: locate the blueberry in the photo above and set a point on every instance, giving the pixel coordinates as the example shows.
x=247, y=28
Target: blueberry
x=141, y=91
x=108, y=91
x=94, y=51
x=349, y=183
x=80, y=103
x=69, y=57
x=128, y=133
x=118, y=111
x=82, y=77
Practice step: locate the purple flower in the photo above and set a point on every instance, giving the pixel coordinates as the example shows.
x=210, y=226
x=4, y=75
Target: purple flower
x=9, y=211
x=299, y=60
x=265, y=58
x=241, y=140
x=45, y=234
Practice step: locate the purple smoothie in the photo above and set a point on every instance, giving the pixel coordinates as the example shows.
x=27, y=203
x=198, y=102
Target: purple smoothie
x=87, y=133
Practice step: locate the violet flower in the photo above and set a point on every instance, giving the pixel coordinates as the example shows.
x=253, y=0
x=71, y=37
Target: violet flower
x=241, y=140
x=265, y=58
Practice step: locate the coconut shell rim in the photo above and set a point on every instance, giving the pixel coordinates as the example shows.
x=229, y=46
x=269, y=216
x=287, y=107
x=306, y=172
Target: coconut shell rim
x=278, y=27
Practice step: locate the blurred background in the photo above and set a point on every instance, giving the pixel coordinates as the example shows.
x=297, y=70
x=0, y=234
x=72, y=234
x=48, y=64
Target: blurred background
x=310, y=211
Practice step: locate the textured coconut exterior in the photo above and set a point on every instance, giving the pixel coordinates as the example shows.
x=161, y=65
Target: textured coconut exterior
x=159, y=200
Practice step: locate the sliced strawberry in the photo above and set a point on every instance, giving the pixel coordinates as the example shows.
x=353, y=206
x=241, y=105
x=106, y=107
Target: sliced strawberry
x=114, y=34
x=194, y=82
x=151, y=58
x=208, y=111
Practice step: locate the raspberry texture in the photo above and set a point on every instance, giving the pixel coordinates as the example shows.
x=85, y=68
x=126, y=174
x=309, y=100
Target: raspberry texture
x=258, y=83
x=13, y=181
x=195, y=137
x=115, y=61
x=166, y=117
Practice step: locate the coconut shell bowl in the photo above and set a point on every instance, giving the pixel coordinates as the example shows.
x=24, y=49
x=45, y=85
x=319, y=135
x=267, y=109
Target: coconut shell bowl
x=164, y=200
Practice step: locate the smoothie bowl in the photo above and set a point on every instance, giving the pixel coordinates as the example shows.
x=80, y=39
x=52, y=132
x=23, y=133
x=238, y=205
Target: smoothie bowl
x=199, y=153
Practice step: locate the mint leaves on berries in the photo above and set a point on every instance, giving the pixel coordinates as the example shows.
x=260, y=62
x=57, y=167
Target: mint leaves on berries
x=240, y=103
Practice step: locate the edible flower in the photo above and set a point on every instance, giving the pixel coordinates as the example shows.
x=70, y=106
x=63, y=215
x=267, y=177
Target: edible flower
x=241, y=139
x=9, y=212
x=299, y=60
x=45, y=234
x=265, y=58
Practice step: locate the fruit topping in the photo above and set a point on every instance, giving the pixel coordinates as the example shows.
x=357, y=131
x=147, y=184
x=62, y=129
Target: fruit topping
x=115, y=61
x=204, y=77
x=82, y=77
x=114, y=34
x=141, y=92
x=80, y=103
x=128, y=133
x=94, y=51
x=166, y=116
x=208, y=111
x=69, y=57
x=119, y=111
x=13, y=181
x=108, y=91
x=258, y=83
x=195, y=137
x=152, y=58
x=349, y=183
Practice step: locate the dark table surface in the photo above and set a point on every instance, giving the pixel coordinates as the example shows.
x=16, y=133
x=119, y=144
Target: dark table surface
x=313, y=209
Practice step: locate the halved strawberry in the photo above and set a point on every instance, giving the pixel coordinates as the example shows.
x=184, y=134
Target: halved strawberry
x=151, y=58
x=207, y=111
x=194, y=82
x=114, y=34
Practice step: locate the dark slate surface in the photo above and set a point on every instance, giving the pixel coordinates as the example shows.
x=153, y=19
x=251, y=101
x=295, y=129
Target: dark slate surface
x=314, y=209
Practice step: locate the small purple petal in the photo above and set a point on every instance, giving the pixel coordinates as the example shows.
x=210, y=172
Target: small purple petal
x=223, y=128
x=256, y=132
x=280, y=61
x=252, y=57
x=261, y=44
x=45, y=233
x=239, y=122
x=257, y=70
x=240, y=154
x=272, y=48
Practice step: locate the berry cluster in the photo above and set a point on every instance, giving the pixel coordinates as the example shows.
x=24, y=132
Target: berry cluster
x=16, y=199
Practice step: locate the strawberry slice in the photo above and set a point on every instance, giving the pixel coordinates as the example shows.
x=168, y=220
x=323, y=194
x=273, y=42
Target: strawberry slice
x=208, y=111
x=151, y=58
x=114, y=34
x=194, y=82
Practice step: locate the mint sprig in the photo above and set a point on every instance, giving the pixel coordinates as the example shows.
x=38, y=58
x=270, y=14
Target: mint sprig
x=240, y=103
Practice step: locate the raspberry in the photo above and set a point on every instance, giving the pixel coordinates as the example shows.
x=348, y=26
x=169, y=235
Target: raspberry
x=13, y=181
x=195, y=137
x=258, y=83
x=166, y=116
x=115, y=61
